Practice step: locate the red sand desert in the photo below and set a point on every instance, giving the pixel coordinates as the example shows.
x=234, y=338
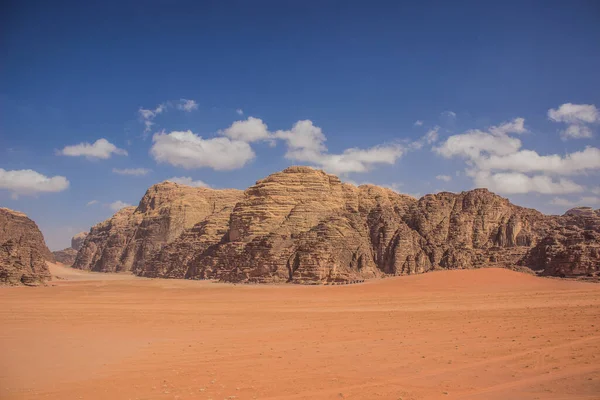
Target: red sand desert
x=470, y=334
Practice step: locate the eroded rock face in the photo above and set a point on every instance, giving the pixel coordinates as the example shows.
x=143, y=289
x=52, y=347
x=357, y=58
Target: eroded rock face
x=303, y=225
x=77, y=240
x=23, y=252
x=475, y=228
x=127, y=240
x=67, y=256
x=571, y=249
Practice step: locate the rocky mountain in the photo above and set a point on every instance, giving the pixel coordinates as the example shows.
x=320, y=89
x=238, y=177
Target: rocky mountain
x=570, y=249
x=305, y=226
x=125, y=241
x=67, y=256
x=23, y=252
x=302, y=225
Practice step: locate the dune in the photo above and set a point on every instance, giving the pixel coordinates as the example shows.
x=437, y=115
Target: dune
x=462, y=334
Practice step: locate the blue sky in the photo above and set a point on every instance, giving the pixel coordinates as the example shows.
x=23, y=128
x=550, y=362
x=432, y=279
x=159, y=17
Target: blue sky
x=418, y=97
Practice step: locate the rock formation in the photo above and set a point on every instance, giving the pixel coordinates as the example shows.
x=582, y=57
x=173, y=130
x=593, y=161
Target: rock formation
x=77, y=240
x=302, y=225
x=572, y=248
x=67, y=256
x=125, y=241
x=23, y=252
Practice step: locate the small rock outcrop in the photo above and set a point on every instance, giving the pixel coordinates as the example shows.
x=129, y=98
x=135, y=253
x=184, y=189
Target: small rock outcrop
x=126, y=241
x=77, y=240
x=67, y=256
x=572, y=249
x=23, y=251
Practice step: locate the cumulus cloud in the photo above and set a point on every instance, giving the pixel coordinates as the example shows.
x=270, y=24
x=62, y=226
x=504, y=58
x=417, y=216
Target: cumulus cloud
x=578, y=162
x=445, y=178
x=30, y=182
x=187, y=105
x=306, y=143
x=472, y=144
x=250, y=130
x=577, y=116
x=239, y=111
x=418, y=122
x=188, y=181
x=575, y=113
x=100, y=149
x=91, y=202
x=131, y=171
x=518, y=183
x=188, y=150
x=495, y=160
x=449, y=114
x=117, y=205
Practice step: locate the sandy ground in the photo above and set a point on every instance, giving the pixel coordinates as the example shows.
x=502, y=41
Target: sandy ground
x=482, y=334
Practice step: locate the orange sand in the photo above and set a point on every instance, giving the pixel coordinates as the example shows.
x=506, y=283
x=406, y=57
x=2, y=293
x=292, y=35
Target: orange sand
x=480, y=334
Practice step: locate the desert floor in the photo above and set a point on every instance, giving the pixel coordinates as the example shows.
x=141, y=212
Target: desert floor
x=479, y=334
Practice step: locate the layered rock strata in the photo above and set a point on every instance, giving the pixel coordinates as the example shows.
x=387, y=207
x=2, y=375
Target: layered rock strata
x=23, y=251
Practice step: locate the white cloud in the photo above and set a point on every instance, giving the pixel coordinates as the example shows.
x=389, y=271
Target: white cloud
x=188, y=181
x=250, y=130
x=131, y=171
x=187, y=105
x=496, y=161
x=117, y=205
x=576, y=132
x=91, y=202
x=518, y=183
x=187, y=150
x=239, y=111
x=101, y=149
x=450, y=114
x=432, y=135
x=577, y=116
x=561, y=201
x=530, y=161
x=575, y=113
x=306, y=143
x=418, y=122
x=589, y=200
x=30, y=182
x=515, y=126
x=582, y=201
x=445, y=178
x=147, y=116
x=472, y=144
x=596, y=190
x=429, y=138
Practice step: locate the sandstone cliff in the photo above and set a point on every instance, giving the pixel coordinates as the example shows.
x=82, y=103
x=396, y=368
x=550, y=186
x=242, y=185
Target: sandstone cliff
x=23, y=252
x=127, y=240
x=77, y=240
x=572, y=248
x=67, y=256
x=303, y=225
